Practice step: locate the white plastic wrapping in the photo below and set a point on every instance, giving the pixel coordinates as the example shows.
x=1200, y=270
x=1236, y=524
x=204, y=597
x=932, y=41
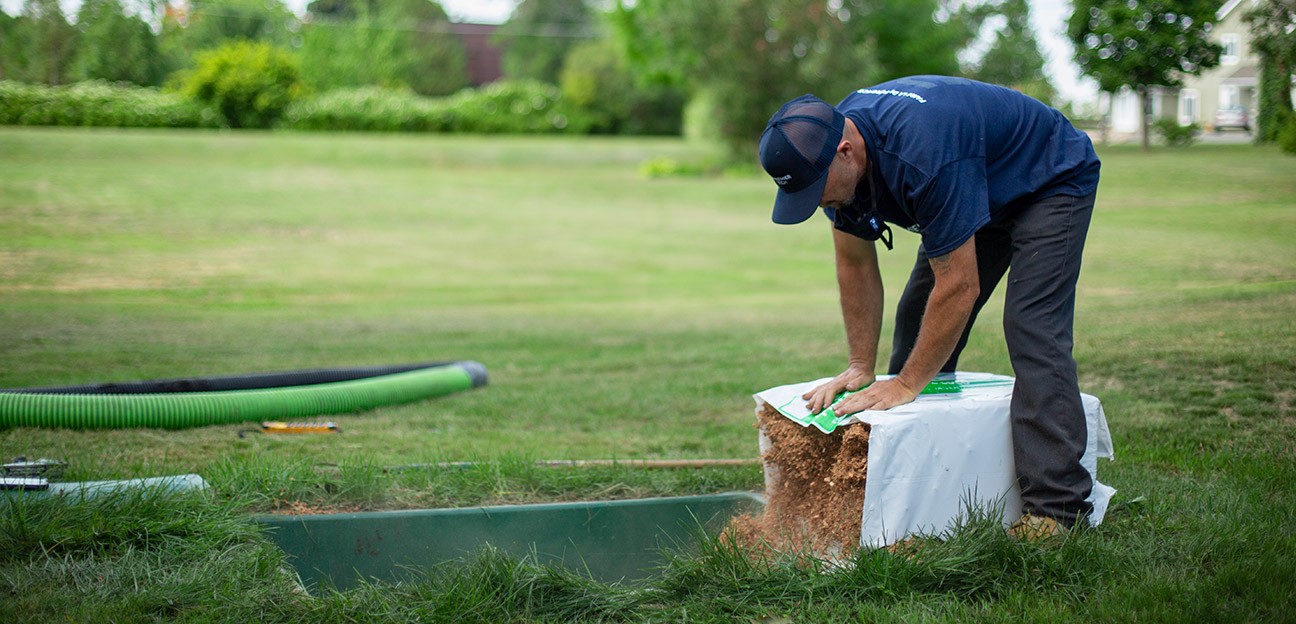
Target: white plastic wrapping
x=930, y=459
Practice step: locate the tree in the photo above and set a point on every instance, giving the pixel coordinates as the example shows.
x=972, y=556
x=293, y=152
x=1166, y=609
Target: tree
x=114, y=46
x=211, y=23
x=403, y=44
x=436, y=63
x=337, y=9
x=1014, y=58
x=752, y=55
x=1273, y=37
x=747, y=56
x=10, y=47
x=345, y=45
x=1143, y=43
x=596, y=80
x=214, y=22
x=45, y=43
x=915, y=36
x=538, y=36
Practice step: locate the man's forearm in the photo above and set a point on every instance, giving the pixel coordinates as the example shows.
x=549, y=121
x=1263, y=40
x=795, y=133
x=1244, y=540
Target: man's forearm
x=861, y=305
x=948, y=308
x=860, y=286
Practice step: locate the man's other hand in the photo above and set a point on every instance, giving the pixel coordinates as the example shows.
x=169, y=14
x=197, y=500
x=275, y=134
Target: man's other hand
x=850, y=380
x=882, y=395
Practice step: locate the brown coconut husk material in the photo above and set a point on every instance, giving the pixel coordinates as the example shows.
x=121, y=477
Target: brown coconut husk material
x=814, y=488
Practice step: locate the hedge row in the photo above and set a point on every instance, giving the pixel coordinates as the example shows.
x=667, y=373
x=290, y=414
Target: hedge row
x=99, y=104
x=503, y=107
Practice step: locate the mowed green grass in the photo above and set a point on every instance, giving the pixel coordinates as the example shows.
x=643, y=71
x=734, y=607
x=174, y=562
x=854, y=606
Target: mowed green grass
x=625, y=317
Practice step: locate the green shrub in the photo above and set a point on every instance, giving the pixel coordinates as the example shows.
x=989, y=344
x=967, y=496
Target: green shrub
x=515, y=107
x=1287, y=132
x=700, y=117
x=1174, y=134
x=368, y=108
x=249, y=83
x=596, y=81
x=99, y=104
x=518, y=107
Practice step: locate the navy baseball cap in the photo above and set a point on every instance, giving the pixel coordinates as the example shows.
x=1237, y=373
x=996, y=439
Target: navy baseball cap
x=796, y=148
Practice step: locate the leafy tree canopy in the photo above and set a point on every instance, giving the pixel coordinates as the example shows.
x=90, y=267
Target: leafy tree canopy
x=400, y=43
x=1140, y=43
x=747, y=56
x=539, y=34
x=1273, y=37
x=342, y=9
x=1014, y=58
x=115, y=46
x=915, y=36
x=1273, y=29
x=10, y=47
x=1143, y=43
x=752, y=55
x=43, y=44
x=213, y=22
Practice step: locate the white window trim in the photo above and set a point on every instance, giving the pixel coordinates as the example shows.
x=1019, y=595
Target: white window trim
x=1187, y=116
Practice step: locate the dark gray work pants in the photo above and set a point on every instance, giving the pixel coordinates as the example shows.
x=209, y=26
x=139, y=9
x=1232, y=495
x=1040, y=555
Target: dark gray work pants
x=1042, y=243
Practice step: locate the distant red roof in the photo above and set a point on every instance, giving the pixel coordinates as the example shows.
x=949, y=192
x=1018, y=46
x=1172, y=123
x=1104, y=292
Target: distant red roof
x=484, y=57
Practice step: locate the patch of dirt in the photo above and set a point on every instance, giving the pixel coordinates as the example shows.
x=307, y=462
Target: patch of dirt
x=815, y=491
x=299, y=508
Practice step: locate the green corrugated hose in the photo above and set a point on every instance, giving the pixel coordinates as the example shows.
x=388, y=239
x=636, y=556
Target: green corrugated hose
x=197, y=409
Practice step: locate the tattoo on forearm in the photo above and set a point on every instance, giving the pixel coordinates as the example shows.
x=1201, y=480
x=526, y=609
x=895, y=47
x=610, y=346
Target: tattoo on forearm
x=941, y=264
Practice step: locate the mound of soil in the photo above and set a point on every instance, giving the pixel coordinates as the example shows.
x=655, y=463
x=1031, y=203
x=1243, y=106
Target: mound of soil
x=814, y=486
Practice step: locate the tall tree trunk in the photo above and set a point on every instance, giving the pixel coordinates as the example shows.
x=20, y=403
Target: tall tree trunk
x=1146, y=100
x=1107, y=116
x=1284, y=95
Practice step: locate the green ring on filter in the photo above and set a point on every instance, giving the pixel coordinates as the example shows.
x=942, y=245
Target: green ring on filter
x=179, y=410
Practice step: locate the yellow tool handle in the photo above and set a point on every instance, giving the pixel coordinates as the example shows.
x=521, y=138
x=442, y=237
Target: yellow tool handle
x=299, y=427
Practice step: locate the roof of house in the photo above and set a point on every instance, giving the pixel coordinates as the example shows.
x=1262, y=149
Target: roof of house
x=1246, y=75
x=1228, y=8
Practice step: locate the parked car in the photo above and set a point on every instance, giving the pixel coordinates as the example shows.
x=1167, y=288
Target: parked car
x=1232, y=117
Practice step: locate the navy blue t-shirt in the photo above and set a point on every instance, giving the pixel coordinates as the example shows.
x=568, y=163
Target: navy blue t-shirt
x=950, y=155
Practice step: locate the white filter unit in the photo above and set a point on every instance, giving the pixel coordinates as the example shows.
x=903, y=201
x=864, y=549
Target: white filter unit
x=930, y=459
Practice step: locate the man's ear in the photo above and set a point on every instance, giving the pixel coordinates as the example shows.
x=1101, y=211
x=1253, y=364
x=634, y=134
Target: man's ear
x=844, y=148
x=848, y=149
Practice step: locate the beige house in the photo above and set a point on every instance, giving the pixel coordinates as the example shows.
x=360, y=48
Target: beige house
x=1232, y=83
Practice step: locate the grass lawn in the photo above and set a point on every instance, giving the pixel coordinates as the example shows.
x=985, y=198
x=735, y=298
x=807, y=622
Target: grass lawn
x=619, y=317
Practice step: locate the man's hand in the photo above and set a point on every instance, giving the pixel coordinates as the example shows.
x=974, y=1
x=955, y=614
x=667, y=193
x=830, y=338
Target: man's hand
x=882, y=395
x=851, y=379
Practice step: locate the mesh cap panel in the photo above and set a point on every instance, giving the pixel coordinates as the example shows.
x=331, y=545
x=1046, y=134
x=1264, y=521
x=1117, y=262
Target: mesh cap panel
x=797, y=147
x=808, y=128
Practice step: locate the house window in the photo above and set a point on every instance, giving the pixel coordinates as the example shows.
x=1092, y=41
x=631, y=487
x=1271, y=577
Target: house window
x=1188, y=107
x=1230, y=54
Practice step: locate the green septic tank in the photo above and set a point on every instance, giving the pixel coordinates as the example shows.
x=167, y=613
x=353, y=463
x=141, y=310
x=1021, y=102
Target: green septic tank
x=609, y=541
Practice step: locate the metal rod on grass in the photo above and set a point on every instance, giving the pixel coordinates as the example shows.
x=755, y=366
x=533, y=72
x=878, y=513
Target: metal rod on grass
x=585, y=463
